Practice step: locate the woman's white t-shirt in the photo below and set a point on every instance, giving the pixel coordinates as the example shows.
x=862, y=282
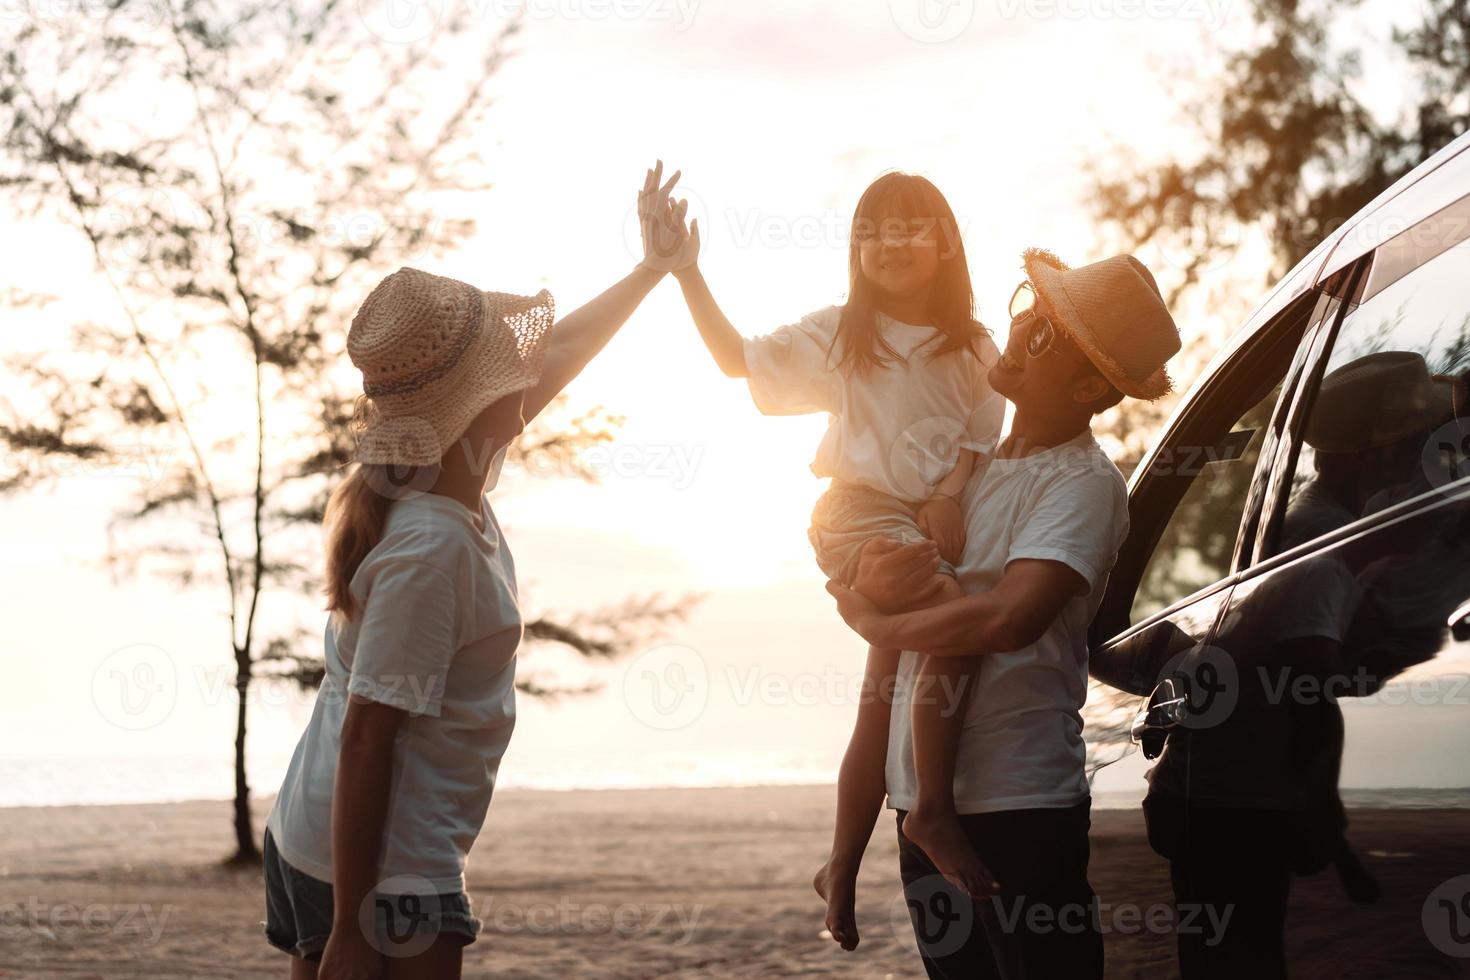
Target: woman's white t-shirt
x=898, y=428
x=435, y=635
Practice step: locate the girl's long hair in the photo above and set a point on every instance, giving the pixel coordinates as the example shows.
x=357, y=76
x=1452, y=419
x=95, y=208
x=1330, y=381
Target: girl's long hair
x=951, y=295
x=355, y=516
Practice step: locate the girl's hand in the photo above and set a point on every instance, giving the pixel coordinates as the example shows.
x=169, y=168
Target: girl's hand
x=897, y=576
x=668, y=244
x=940, y=519
x=862, y=615
x=687, y=259
x=349, y=956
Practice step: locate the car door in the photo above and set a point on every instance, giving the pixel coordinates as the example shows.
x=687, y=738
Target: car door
x=1198, y=491
x=1347, y=627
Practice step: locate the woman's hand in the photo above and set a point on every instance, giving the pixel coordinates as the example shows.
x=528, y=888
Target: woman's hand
x=941, y=520
x=668, y=244
x=349, y=956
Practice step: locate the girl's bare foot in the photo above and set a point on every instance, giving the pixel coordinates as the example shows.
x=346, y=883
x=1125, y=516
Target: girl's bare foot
x=838, y=888
x=938, y=833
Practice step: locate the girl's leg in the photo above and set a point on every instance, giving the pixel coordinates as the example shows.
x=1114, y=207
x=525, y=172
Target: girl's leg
x=441, y=961
x=303, y=969
x=942, y=693
x=860, y=791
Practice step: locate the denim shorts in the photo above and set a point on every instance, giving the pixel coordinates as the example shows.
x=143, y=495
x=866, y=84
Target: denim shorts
x=849, y=515
x=298, y=914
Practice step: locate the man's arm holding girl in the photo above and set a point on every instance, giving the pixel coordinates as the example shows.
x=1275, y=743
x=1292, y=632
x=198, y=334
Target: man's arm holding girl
x=1014, y=614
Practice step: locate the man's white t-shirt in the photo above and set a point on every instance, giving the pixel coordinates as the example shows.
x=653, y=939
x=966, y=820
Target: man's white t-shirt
x=1021, y=743
x=435, y=635
x=897, y=429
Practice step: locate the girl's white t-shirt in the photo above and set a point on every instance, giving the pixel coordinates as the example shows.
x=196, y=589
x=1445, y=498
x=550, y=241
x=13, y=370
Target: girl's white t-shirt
x=898, y=428
x=435, y=635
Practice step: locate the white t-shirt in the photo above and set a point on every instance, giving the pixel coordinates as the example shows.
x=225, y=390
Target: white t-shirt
x=897, y=429
x=436, y=635
x=1021, y=744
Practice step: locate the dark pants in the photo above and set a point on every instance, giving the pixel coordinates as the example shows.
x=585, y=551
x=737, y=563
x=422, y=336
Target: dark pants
x=1044, y=922
x=1229, y=866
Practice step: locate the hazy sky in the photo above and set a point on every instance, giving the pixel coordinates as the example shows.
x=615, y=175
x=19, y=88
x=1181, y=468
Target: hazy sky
x=779, y=113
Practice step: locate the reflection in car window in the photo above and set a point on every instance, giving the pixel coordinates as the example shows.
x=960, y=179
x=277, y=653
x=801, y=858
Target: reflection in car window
x=1384, y=425
x=1207, y=470
x=1195, y=548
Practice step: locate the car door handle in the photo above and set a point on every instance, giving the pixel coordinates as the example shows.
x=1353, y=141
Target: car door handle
x=1460, y=622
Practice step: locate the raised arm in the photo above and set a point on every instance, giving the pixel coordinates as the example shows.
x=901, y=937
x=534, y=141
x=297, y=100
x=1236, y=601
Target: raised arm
x=583, y=333
x=1027, y=599
x=720, y=336
x=580, y=335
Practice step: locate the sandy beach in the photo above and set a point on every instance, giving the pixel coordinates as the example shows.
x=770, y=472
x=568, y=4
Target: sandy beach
x=645, y=883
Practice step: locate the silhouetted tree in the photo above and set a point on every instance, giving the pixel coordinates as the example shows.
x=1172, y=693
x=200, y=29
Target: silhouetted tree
x=1287, y=143
x=241, y=174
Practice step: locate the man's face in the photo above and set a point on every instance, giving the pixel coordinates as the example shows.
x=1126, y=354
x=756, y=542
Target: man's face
x=1044, y=382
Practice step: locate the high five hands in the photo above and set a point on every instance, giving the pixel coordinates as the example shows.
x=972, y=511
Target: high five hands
x=669, y=244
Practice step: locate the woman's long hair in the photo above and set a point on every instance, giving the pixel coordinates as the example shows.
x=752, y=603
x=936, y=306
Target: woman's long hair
x=951, y=295
x=355, y=516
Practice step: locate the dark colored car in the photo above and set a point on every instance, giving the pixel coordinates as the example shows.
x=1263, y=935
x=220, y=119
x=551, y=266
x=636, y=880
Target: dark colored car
x=1298, y=579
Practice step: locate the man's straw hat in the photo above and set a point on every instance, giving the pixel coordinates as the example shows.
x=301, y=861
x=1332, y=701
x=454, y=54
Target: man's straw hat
x=1114, y=312
x=434, y=353
x=1378, y=400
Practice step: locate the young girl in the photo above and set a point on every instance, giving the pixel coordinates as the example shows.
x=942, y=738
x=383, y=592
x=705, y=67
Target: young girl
x=901, y=369
x=365, y=847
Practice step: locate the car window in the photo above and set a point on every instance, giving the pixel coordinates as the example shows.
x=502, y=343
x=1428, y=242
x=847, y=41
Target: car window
x=1195, y=492
x=1386, y=422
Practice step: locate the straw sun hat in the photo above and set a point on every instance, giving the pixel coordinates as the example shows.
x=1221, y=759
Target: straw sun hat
x=1114, y=312
x=434, y=353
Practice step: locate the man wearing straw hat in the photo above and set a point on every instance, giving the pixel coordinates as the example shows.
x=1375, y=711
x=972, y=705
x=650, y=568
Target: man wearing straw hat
x=1045, y=519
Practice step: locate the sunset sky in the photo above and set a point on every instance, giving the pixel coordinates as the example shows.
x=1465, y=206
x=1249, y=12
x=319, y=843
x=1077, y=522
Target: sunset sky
x=778, y=114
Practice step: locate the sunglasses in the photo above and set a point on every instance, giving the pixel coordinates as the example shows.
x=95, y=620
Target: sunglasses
x=1025, y=310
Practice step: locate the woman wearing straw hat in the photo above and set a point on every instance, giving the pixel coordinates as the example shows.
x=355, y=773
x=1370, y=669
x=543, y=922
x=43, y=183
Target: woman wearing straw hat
x=365, y=848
